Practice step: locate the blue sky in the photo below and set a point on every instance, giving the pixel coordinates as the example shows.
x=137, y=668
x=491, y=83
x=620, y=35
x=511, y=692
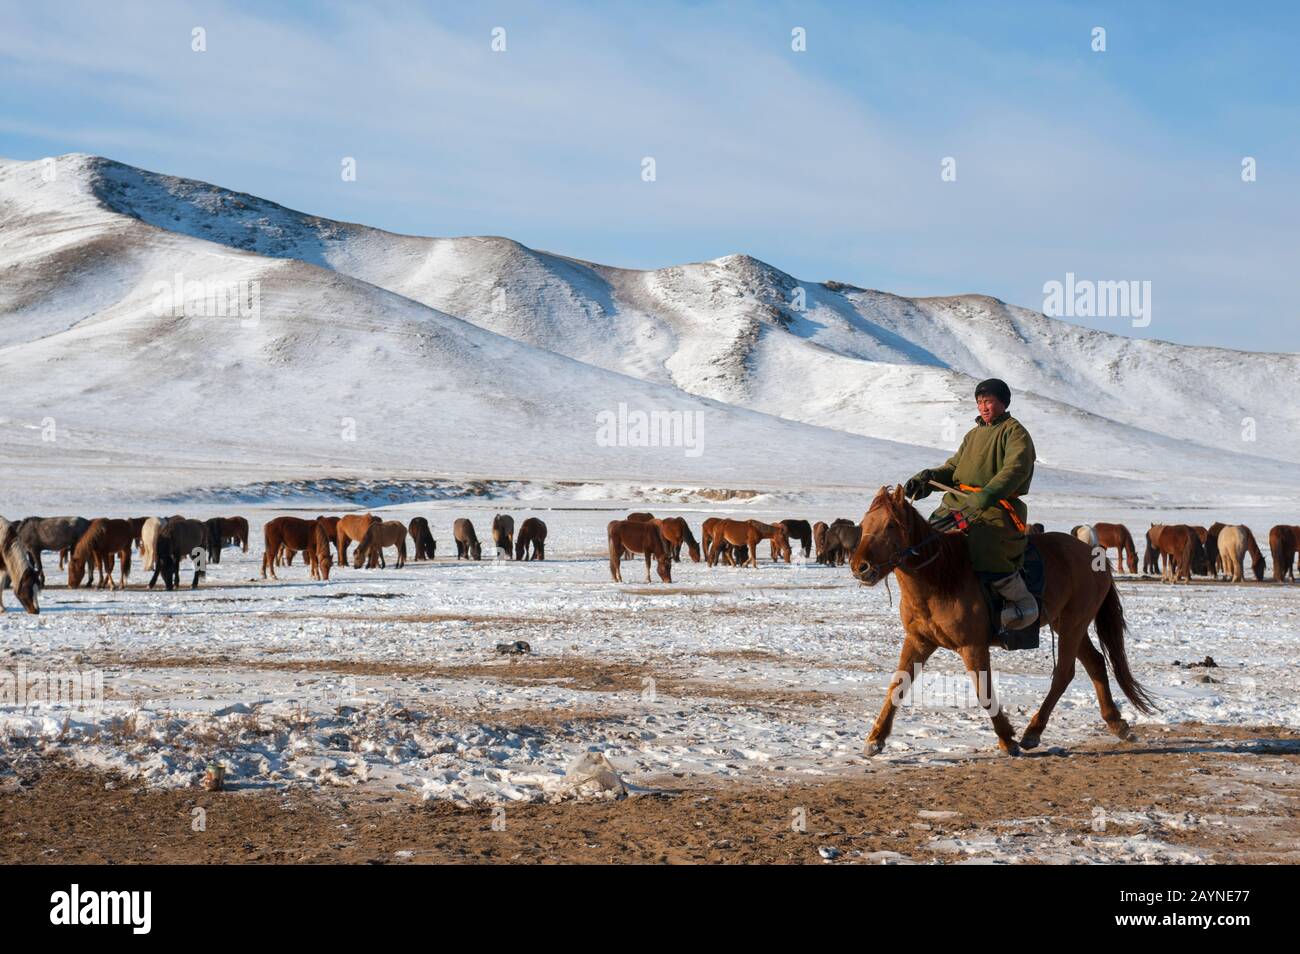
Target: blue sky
x=1122, y=165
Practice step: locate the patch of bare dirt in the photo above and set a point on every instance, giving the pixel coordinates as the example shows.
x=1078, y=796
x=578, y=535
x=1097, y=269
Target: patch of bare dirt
x=59, y=814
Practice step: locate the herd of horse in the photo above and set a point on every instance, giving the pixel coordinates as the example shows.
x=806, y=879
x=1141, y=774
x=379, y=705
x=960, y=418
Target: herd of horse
x=93, y=549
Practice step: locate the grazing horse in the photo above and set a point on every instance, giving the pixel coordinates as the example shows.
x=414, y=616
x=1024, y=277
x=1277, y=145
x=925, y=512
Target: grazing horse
x=1116, y=536
x=820, y=539
x=677, y=531
x=748, y=533
x=799, y=530
x=321, y=555
x=1282, y=542
x=104, y=540
x=215, y=539
x=18, y=567
x=1180, y=545
x=234, y=532
x=941, y=605
x=1234, y=543
x=178, y=539
x=291, y=534
x=638, y=536
x=532, y=533
x=842, y=538
x=422, y=542
x=467, y=545
x=353, y=527
x=386, y=533
x=50, y=533
x=503, y=533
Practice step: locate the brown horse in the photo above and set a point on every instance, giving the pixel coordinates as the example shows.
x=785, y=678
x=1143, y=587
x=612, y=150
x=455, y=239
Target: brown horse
x=104, y=540
x=747, y=533
x=1151, y=558
x=1115, y=536
x=641, y=516
x=234, y=532
x=677, y=532
x=386, y=533
x=532, y=534
x=467, y=545
x=503, y=533
x=291, y=534
x=1181, y=547
x=422, y=541
x=941, y=605
x=1282, y=542
x=799, y=530
x=819, y=539
x=842, y=538
x=352, y=528
x=638, y=536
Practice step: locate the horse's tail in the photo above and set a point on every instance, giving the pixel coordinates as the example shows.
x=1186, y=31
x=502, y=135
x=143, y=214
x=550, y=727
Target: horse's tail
x=1110, y=628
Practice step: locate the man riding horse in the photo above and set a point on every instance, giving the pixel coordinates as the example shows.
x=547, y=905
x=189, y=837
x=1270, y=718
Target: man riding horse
x=993, y=467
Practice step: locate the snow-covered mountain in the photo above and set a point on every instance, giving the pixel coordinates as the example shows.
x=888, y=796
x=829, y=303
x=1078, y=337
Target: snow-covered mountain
x=480, y=356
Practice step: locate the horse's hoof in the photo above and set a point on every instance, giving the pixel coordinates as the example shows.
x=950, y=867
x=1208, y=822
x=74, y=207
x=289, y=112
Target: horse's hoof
x=1121, y=730
x=872, y=748
x=1010, y=746
x=1028, y=741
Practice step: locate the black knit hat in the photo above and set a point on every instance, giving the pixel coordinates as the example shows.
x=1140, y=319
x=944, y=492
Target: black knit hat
x=994, y=387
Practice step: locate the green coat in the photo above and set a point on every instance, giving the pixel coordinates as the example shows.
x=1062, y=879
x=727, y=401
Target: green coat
x=998, y=457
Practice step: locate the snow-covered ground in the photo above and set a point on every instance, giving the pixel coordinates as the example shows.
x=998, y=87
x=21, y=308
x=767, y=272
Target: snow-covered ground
x=391, y=678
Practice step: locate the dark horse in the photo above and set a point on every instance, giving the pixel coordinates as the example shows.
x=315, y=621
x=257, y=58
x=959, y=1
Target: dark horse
x=467, y=545
x=422, y=541
x=532, y=533
x=177, y=540
x=941, y=605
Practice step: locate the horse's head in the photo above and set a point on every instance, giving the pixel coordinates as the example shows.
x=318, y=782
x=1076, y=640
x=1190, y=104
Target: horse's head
x=28, y=590
x=664, y=564
x=21, y=567
x=693, y=547
x=884, y=536
x=76, y=571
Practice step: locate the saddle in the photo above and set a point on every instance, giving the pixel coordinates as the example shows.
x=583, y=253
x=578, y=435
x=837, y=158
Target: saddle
x=1035, y=581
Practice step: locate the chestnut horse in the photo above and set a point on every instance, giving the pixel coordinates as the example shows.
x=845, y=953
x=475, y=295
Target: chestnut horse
x=385, y=533
x=291, y=534
x=421, y=539
x=18, y=567
x=819, y=539
x=677, y=531
x=1181, y=547
x=104, y=540
x=353, y=527
x=799, y=530
x=532, y=533
x=748, y=533
x=941, y=605
x=638, y=536
x=1282, y=541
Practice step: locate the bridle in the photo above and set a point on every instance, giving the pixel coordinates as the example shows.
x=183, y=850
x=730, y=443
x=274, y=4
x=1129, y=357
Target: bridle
x=903, y=554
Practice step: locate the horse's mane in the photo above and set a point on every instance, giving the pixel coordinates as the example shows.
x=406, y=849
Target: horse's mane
x=943, y=564
x=85, y=547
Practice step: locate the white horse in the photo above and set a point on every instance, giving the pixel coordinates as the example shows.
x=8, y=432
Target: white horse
x=1234, y=543
x=149, y=540
x=16, y=567
x=1088, y=535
